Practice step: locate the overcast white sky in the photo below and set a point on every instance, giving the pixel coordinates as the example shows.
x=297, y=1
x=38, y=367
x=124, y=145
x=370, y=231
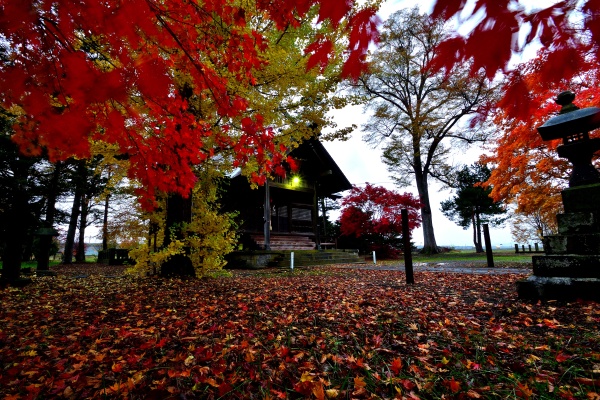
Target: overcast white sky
x=361, y=164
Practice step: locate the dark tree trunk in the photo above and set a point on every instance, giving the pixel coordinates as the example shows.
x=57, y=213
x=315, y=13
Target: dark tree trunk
x=105, y=217
x=80, y=181
x=153, y=236
x=80, y=254
x=324, y=211
x=70, y=240
x=429, y=243
x=477, y=227
x=476, y=232
x=13, y=253
x=105, y=224
x=179, y=213
x=16, y=219
x=43, y=259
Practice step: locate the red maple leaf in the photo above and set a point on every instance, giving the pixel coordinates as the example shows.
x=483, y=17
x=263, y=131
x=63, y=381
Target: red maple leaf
x=396, y=365
x=454, y=385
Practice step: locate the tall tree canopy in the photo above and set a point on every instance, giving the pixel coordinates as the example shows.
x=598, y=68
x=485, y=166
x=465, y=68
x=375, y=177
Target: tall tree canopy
x=112, y=71
x=416, y=110
x=373, y=215
x=472, y=204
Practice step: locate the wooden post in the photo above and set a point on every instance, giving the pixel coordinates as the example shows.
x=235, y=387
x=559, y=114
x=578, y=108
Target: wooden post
x=324, y=212
x=488, y=246
x=315, y=212
x=267, y=217
x=516, y=248
x=408, y=266
x=537, y=248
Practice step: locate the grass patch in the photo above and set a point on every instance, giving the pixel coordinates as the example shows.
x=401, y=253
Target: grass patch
x=465, y=255
x=52, y=263
x=32, y=264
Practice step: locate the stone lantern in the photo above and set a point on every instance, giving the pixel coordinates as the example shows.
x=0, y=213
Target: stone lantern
x=571, y=267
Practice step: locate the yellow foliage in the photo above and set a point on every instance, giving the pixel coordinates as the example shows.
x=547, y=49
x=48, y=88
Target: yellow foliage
x=206, y=239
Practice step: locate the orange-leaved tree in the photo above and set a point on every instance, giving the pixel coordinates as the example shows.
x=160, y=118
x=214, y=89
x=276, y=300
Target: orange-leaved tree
x=528, y=172
x=569, y=35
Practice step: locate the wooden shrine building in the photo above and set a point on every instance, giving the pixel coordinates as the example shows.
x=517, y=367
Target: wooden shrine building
x=283, y=214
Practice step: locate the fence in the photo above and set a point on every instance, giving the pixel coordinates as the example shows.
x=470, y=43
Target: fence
x=523, y=249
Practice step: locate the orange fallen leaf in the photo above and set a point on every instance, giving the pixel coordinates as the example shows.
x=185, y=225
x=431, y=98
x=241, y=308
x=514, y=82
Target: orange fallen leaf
x=319, y=391
x=359, y=382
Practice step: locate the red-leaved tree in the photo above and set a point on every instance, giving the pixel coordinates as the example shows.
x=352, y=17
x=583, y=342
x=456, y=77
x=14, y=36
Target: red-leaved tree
x=568, y=31
x=111, y=71
x=161, y=80
x=372, y=217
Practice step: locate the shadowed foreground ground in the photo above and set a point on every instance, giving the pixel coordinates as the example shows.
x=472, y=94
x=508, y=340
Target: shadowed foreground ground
x=330, y=332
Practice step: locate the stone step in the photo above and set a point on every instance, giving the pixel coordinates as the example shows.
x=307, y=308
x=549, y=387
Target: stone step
x=568, y=265
x=558, y=288
x=293, y=246
x=577, y=223
x=584, y=244
x=322, y=257
x=280, y=239
x=303, y=258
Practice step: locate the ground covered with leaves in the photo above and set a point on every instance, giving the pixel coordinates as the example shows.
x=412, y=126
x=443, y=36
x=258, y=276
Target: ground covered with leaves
x=321, y=333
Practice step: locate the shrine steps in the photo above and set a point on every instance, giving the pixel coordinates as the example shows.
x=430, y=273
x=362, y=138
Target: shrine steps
x=285, y=242
x=319, y=257
x=282, y=258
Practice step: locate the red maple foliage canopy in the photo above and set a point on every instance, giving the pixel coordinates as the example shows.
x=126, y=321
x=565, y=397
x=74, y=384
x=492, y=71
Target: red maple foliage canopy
x=75, y=71
x=376, y=210
x=568, y=31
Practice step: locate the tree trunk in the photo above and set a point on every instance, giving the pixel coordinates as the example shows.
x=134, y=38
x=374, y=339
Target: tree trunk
x=476, y=233
x=80, y=180
x=324, y=211
x=13, y=254
x=105, y=224
x=429, y=243
x=478, y=244
x=179, y=213
x=105, y=217
x=17, y=219
x=70, y=240
x=80, y=255
x=43, y=258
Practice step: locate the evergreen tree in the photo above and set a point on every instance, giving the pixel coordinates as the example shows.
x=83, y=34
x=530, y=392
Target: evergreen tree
x=472, y=204
x=20, y=203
